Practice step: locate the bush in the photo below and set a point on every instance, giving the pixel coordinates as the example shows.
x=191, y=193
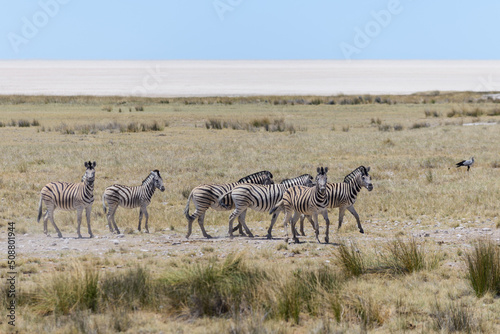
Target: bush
x=212, y=289
x=483, y=268
x=455, y=317
x=350, y=258
x=405, y=256
x=23, y=123
x=420, y=125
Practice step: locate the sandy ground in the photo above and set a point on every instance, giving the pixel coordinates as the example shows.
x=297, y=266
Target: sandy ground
x=233, y=78
x=166, y=243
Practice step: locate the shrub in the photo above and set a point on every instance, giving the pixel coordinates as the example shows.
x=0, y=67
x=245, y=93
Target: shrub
x=455, y=317
x=131, y=289
x=139, y=108
x=212, y=289
x=384, y=127
x=23, y=123
x=420, y=125
x=35, y=123
x=350, y=258
x=74, y=290
x=483, y=267
x=405, y=256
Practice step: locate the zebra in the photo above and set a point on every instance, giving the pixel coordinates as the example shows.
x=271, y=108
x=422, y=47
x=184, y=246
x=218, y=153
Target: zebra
x=69, y=196
x=303, y=200
x=207, y=196
x=131, y=197
x=260, y=198
x=343, y=196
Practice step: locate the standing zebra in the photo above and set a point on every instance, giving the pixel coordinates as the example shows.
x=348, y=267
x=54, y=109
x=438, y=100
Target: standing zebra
x=304, y=200
x=69, y=196
x=343, y=196
x=207, y=196
x=260, y=198
x=131, y=197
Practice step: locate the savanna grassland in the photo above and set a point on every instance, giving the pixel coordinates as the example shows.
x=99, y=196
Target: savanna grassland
x=428, y=261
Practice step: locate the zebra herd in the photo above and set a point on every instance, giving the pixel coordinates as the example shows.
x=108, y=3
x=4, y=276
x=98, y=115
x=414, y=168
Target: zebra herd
x=301, y=197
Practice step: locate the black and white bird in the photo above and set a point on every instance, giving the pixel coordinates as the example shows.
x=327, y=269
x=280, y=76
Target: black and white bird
x=467, y=163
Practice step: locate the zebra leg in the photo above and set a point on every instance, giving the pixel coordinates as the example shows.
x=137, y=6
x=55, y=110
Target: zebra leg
x=140, y=219
x=294, y=219
x=45, y=219
x=285, y=223
x=241, y=220
x=51, y=215
x=201, y=218
x=316, y=226
x=235, y=214
x=327, y=233
x=273, y=221
x=88, y=211
x=79, y=213
x=302, y=217
x=146, y=214
x=111, y=218
x=355, y=214
x=341, y=216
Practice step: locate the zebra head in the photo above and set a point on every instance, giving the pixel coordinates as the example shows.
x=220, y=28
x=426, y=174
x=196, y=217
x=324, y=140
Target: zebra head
x=158, y=180
x=366, y=179
x=90, y=172
x=321, y=179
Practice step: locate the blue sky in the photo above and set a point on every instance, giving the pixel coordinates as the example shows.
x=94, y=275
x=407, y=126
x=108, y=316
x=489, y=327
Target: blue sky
x=249, y=29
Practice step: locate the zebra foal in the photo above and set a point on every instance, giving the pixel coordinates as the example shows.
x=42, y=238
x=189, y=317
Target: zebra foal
x=69, y=196
x=259, y=198
x=131, y=197
x=343, y=196
x=304, y=200
x=207, y=196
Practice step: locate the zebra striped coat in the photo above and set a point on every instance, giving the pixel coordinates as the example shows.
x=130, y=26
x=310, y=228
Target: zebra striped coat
x=69, y=196
x=207, y=196
x=304, y=200
x=131, y=197
x=260, y=198
x=343, y=196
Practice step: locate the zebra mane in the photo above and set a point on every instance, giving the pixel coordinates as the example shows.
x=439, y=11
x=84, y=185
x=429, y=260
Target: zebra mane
x=251, y=176
x=352, y=175
x=149, y=176
x=298, y=178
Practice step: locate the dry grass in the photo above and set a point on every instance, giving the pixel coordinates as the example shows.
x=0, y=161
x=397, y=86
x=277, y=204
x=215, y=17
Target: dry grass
x=414, y=181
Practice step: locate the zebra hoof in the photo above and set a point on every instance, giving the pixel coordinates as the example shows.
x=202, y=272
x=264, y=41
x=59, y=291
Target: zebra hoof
x=361, y=231
x=269, y=236
x=208, y=236
x=327, y=240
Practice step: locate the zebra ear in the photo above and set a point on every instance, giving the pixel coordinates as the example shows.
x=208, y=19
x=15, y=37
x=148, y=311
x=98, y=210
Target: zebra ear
x=86, y=164
x=326, y=169
x=318, y=170
x=94, y=164
x=367, y=169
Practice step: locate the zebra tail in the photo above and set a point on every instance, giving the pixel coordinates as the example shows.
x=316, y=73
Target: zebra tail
x=103, y=203
x=39, y=210
x=186, y=209
x=221, y=198
x=280, y=203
